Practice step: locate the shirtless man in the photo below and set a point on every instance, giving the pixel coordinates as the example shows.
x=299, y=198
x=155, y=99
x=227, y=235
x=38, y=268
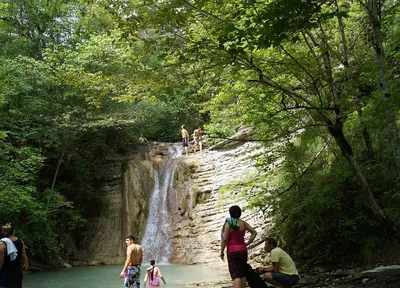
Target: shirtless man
x=134, y=258
x=143, y=139
x=197, y=139
x=185, y=139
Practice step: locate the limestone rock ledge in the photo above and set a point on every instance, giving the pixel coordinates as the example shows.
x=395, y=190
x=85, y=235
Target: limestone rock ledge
x=197, y=206
x=203, y=207
x=120, y=205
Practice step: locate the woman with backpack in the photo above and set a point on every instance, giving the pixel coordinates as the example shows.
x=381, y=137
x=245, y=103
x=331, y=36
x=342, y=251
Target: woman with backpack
x=153, y=274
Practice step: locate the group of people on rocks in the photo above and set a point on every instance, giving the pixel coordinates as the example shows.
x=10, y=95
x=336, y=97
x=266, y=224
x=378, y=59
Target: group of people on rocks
x=282, y=273
x=197, y=139
x=131, y=271
x=13, y=259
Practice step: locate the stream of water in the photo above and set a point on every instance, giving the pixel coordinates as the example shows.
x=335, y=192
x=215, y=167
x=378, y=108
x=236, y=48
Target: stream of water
x=157, y=237
x=177, y=276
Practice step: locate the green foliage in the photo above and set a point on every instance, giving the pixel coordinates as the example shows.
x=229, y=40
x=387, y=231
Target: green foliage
x=284, y=70
x=79, y=85
x=81, y=81
x=34, y=213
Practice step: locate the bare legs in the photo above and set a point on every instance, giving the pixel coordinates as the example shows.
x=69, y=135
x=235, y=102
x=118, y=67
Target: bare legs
x=240, y=282
x=199, y=144
x=268, y=279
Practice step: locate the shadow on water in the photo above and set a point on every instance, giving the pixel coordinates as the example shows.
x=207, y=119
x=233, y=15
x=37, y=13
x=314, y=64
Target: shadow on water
x=107, y=276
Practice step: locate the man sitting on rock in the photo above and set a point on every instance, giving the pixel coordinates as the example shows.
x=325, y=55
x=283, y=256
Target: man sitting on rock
x=283, y=272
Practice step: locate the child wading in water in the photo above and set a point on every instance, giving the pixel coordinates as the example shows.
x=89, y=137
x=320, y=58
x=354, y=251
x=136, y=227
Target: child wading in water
x=152, y=275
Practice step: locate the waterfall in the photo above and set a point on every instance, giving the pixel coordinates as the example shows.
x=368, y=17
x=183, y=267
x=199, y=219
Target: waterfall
x=157, y=237
x=175, y=150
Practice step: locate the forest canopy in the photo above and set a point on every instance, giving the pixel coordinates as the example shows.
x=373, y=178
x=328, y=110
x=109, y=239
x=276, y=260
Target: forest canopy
x=318, y=81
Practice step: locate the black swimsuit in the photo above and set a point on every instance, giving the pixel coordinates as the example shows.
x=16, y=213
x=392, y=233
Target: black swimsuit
x=13, y=269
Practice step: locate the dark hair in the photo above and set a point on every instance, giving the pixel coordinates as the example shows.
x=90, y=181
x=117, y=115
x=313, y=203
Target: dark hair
x=235, y=212
x=8, y=230
x=271, y=241
x=130, y=237
x=152, y=262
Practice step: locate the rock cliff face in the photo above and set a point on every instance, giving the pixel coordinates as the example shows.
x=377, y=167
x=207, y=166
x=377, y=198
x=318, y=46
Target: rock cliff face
x=122, y=188
x=203, y=207
x=122, y=203
x=196, y=206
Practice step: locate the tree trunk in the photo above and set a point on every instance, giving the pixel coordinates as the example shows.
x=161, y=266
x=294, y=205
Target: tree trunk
x=55, y=177
x=367, y=138
x=383, y=81
x=365, y=133
x=57, y=169
x=337, y=132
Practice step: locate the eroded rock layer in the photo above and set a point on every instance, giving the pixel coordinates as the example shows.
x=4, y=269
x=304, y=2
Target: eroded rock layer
x=196, y=205
x=204, y=207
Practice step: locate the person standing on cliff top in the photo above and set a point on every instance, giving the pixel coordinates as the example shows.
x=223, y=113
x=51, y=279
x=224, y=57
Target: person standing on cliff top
x=185, y=139
x=134, y=258
x=143, y=139
x=197, y=139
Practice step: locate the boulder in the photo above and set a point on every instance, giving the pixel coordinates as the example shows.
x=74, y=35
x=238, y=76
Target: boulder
x=67, y=266
x=383, y=272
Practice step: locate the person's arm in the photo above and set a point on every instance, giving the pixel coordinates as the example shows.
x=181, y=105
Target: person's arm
x=140, y=255
x=252, y=231
x=275, y=267
x=271, y=268
x=24, y=257
x=128, y=260
x=159, y=273
x=145, y=278
x=224, y=240
x=2, y=254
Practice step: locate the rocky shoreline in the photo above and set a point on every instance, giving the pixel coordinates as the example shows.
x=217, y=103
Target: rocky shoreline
x=380, y=277
x=346, y=277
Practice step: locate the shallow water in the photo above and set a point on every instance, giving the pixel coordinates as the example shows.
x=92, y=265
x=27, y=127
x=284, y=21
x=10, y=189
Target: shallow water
x=108, y=276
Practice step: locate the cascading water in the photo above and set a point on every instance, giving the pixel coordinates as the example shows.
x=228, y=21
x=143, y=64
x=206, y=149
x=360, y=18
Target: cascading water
x=157, y=237
x=176, y=150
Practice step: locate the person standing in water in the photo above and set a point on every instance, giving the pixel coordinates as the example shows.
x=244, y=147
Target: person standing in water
x=134, y=258
x=232, y=235
x=152, y=275
x=14, y=259
x=197, y=139
x=185, y=139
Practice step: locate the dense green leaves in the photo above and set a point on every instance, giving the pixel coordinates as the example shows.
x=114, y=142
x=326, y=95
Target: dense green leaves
x=81, y=80
x=302, y=73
